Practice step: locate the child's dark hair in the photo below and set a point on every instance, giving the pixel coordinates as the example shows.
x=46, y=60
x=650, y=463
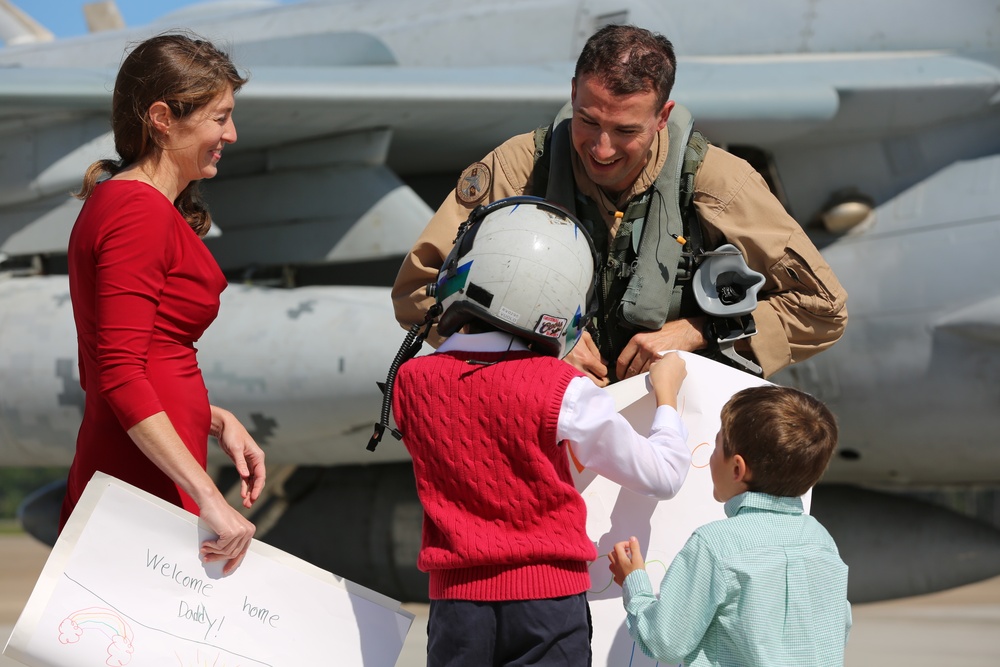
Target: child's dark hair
x=785, y=436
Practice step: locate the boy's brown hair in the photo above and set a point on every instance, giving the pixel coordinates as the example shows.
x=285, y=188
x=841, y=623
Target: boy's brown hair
x=785, y=436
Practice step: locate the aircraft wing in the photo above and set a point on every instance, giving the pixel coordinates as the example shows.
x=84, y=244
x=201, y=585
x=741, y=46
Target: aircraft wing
x=831, y=97
x=439, y=119
x=743, y=98
x=27, y=92
x=739, y=99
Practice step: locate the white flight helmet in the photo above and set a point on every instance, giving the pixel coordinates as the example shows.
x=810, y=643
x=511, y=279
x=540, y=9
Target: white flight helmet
x=524, y=265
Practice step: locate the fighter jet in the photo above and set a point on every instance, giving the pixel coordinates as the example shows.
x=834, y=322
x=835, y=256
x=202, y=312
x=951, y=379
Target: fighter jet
x=876, y=124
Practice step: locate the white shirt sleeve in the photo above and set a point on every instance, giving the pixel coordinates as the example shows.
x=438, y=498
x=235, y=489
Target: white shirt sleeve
x=605, y=442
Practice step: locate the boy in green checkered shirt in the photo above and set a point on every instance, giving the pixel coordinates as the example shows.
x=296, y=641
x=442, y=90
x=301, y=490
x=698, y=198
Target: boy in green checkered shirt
x=766, y=585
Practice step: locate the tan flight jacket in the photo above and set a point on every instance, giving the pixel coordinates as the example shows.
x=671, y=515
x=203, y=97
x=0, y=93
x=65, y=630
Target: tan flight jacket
x=801, y=307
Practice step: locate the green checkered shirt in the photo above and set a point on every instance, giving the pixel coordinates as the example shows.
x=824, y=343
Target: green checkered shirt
x=765, y=587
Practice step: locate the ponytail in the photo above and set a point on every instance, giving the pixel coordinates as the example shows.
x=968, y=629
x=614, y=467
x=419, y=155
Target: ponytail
x=93, y=173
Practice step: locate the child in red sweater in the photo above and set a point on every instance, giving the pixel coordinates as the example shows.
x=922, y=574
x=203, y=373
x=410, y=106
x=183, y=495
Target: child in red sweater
x=491, y=420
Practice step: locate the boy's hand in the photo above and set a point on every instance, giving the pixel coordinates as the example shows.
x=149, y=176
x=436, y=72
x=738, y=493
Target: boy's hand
x=666, y=376
x=625, y=559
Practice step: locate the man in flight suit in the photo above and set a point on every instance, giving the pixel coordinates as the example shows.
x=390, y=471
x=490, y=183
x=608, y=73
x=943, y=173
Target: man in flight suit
x=617, y=147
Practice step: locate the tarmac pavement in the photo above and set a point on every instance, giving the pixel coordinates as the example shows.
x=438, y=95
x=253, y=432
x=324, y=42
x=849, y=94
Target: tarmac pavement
x=958, y=628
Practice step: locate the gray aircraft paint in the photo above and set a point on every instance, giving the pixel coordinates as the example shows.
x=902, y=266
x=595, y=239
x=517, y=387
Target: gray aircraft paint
x=303, y=378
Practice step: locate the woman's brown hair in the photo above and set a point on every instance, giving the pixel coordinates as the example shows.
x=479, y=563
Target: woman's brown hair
x=184, y=72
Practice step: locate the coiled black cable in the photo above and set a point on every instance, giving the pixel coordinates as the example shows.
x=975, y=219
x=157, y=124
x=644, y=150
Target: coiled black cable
x=411, y=345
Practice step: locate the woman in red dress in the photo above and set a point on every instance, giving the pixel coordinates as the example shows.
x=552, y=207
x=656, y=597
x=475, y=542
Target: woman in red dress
x=144, y=288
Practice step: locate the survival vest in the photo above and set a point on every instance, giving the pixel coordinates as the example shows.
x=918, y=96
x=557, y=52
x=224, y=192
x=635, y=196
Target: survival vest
x=649, y=264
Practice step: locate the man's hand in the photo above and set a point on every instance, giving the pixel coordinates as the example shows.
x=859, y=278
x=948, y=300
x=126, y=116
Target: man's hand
x=645, y=347
x=586, y=357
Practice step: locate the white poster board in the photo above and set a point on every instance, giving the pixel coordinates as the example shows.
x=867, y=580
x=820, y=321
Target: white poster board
x=614, y=514
x=123, y=585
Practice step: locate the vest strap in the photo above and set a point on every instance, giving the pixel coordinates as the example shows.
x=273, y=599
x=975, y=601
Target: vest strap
x=651, y=298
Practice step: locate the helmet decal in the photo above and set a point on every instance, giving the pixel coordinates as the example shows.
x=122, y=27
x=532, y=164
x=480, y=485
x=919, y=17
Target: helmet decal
x=551, y=327
x=451, y=282
x=576, y=326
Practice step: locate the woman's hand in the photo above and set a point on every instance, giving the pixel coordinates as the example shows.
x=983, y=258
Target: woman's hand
x=233, y=530
x=244, y=451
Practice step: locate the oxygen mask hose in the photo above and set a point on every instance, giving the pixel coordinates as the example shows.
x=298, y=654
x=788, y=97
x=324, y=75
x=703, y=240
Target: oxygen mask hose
x=411, y=345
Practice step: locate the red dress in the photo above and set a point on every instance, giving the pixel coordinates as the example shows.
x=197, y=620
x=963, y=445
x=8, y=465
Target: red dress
x=144, y=288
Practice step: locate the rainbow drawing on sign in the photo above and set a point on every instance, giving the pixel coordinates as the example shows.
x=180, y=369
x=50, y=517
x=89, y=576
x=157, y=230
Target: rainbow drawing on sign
x=99, y=619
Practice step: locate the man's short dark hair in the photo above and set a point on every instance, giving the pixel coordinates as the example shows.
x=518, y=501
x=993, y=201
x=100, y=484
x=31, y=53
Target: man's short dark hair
x=629, y=60
x=785, y=436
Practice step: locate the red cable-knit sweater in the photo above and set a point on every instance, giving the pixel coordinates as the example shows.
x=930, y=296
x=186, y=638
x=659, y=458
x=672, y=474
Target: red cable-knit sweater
x=502, y=518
